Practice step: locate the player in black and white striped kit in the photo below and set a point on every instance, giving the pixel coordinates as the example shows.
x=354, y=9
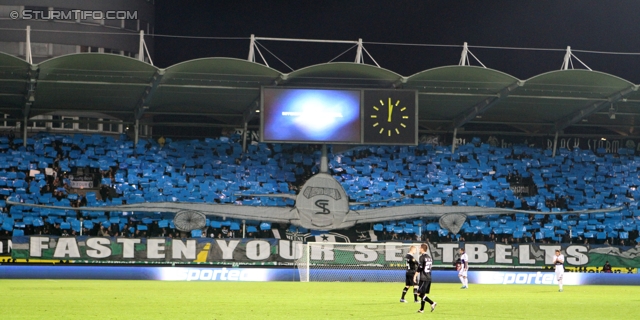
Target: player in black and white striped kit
x=410, y=281
x=424, y=271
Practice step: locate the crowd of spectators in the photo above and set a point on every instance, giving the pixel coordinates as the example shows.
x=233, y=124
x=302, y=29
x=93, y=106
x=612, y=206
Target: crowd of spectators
x=216, y=170
x=522, y=178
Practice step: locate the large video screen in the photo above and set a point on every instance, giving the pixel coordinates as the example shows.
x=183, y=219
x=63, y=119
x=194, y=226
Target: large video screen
x=310, y=115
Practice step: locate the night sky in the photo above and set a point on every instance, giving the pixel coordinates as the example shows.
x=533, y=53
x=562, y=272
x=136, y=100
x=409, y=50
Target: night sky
x=598, y=25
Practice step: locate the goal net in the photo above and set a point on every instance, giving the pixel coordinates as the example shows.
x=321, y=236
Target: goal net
x=362, y=262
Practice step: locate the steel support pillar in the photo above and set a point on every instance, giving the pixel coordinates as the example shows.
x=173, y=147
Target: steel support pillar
x=24, y=132
x=27, y=53
x=141, y=47
x=464, y=59
x=244, y=139
x=555, y=145
x=453, y=143
x=252, y=55
x=567, y=59
x=359, y=52
x=136, y=129
x=324, y=164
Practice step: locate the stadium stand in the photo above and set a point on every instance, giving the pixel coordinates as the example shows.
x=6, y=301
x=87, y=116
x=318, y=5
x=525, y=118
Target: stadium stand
x=216, y=170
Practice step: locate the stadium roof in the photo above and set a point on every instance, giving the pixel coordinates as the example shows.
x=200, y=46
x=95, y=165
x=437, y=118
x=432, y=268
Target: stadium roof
x=476, y=99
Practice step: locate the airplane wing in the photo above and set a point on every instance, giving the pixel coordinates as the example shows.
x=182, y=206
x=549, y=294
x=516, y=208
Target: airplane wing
x=420, y=211
x=272, y=214
x=270, y=195
x=375, y=201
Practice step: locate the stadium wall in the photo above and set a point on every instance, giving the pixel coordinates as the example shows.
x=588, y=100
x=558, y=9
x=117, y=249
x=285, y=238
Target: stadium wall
x=290, y=274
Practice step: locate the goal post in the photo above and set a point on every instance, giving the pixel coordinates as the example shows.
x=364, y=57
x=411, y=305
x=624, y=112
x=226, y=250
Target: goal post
x=361, y=262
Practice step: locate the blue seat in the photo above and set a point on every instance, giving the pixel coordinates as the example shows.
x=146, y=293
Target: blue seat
x=409, y=228
x=91, y=197
x=265, y=226
x=196, y=233
x=38, y=222
x=75, y=225
x=18, y=232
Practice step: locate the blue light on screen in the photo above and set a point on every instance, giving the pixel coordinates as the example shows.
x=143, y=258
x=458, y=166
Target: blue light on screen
x=315, y=115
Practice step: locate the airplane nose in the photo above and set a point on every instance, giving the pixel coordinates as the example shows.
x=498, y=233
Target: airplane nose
x=324, y=221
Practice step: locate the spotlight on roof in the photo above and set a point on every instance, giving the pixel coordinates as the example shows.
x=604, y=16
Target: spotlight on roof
x=612, y=113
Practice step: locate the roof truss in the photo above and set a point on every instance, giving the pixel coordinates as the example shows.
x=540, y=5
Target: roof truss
x=591, y=108
x=484, y=105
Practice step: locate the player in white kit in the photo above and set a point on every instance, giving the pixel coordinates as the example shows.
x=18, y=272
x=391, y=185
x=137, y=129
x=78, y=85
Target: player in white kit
x=464, y=267
x=558, y=261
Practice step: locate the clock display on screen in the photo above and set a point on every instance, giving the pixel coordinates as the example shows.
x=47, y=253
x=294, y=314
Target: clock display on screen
x=390, y=117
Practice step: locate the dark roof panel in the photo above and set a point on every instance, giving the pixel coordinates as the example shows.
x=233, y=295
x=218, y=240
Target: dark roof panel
x=227, y=88
x=13, y=82
x=343, y=74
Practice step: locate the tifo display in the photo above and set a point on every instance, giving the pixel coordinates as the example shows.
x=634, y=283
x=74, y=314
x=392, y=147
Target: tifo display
x=215, y=171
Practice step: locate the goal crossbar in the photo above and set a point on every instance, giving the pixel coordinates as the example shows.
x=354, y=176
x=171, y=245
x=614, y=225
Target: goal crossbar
x=339, y=261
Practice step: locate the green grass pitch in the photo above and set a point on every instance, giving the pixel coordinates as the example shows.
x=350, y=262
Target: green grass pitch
x=110, y=299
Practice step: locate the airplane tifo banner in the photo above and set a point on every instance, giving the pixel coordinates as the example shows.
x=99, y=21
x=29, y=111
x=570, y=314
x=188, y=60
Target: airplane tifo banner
x=279, y=251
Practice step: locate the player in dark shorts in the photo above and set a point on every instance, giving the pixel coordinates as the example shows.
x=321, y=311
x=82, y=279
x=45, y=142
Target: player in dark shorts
x=410, y=281
x=424, y=271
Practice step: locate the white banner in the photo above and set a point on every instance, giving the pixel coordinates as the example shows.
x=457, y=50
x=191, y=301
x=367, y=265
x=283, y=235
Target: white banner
x=77, y=184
